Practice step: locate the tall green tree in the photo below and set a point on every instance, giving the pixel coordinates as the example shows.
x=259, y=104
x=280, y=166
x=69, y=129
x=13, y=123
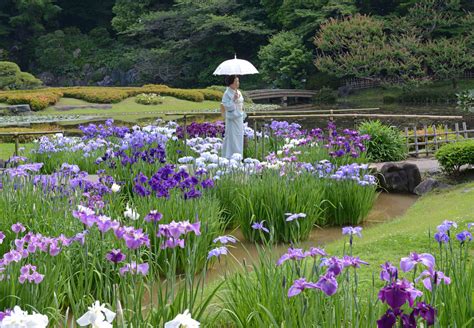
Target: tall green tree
x=188, y=41
x=285, y=61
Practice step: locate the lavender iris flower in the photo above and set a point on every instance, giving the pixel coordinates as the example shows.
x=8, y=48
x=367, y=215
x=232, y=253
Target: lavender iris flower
x=18, y=227
x=334, y=264
x=431, y=276
x=2, y=237
x=259, y=226
x=352, y=231
x=408, y=263
x=470, y=225
x=300, y=285
x=389, y=272
x=28, y=273
x=217, y=252
x=447, y=225
x=134, y=268
x=225, y=240
x=295, y=216
x=355, y=262
x=292, y=254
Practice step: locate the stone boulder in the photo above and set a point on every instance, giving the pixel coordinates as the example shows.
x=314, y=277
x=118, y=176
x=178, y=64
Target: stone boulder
x=429, y=185
x=15, y=110
x=401, y=178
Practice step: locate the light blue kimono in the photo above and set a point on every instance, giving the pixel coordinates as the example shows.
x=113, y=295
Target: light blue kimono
x=234, y=124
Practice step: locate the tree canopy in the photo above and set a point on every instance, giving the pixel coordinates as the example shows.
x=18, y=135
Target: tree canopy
x=180, y=42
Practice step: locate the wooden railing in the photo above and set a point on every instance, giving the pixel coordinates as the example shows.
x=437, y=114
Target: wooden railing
x=16, y=136
x=421, y=141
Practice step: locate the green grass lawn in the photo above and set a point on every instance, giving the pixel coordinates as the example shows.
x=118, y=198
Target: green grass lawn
x=7, y=149
x=129, y=106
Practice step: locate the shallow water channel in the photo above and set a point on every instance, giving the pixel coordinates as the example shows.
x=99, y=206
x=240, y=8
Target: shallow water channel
x=387, y=207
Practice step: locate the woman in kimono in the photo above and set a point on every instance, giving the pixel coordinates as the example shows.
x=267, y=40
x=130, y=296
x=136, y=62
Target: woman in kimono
x=233, y=103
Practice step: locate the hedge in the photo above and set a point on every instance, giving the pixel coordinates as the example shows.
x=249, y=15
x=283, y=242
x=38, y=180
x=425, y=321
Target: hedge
x=38, y=100
x=454, y=155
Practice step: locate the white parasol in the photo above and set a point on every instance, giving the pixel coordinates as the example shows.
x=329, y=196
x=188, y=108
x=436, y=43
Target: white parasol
x=235, y=67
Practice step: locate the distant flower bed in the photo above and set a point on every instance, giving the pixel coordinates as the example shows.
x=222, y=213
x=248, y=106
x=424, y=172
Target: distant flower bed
x=149, y=99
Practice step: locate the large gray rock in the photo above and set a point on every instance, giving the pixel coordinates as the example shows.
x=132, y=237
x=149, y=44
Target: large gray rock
x=399, y=177
x=430, y=185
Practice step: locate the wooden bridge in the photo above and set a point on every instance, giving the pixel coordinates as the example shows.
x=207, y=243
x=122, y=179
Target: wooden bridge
x=284, y=94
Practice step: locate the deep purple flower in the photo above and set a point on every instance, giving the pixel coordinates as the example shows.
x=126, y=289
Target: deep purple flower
x=134, y=268
x=18, y=227
x=208, y=183
x=389, y=272
x=388, y=319
x=464, y=236
x=334, y=264
x=295, y=216
x=327, y=283
x=441, y=237
x=426, y=311
x=115, y=256
x=398, y=293
x=217, y=252
x=352, y=231
x=153, y=216
x=292, y=254
x=259, y=226
x=431, y=276
x=408, y=263
x=408, y=320
x=300, y=285
x=225, y=240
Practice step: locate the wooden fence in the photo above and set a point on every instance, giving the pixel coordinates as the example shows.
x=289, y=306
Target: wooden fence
x=426, y=140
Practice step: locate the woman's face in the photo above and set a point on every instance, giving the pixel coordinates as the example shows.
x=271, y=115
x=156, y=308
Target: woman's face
x=236, y=83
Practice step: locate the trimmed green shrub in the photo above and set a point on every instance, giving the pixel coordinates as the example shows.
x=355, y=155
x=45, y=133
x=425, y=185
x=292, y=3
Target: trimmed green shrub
x=36, y=100
x=452, y=156
x=386, y=144
x=210, y=94
x=149, y=99
x=11, y=77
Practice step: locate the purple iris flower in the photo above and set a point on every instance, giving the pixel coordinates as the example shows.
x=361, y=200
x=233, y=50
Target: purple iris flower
x=134, y=268
x=314, y=251
x=408, y=263
x=225, y=240
x=217, y=252
x=4, y=314
x=300, y=285
x=425, y=311
x=292, y=254
x=441, y=237
x=431, y=276
x=28, y=273
x=327, y=283
x=355, y=262
x=18, y=227
x=334, y=264
x=115, y=256
x=153, y=216
x=398, y=293
x=2, y=237
x=464, y=236
x=173, y=243
x=352, y=231
x=388, y=319
x=470, y=225
x=447, y=225
x=292, y=217
x=389, y=272
x=259, y=226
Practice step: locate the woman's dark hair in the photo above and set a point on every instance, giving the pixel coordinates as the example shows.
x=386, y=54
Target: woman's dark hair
x=229, y=79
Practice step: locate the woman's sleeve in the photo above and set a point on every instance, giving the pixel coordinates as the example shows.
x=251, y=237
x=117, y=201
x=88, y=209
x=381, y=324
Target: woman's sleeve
x=230, y=108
